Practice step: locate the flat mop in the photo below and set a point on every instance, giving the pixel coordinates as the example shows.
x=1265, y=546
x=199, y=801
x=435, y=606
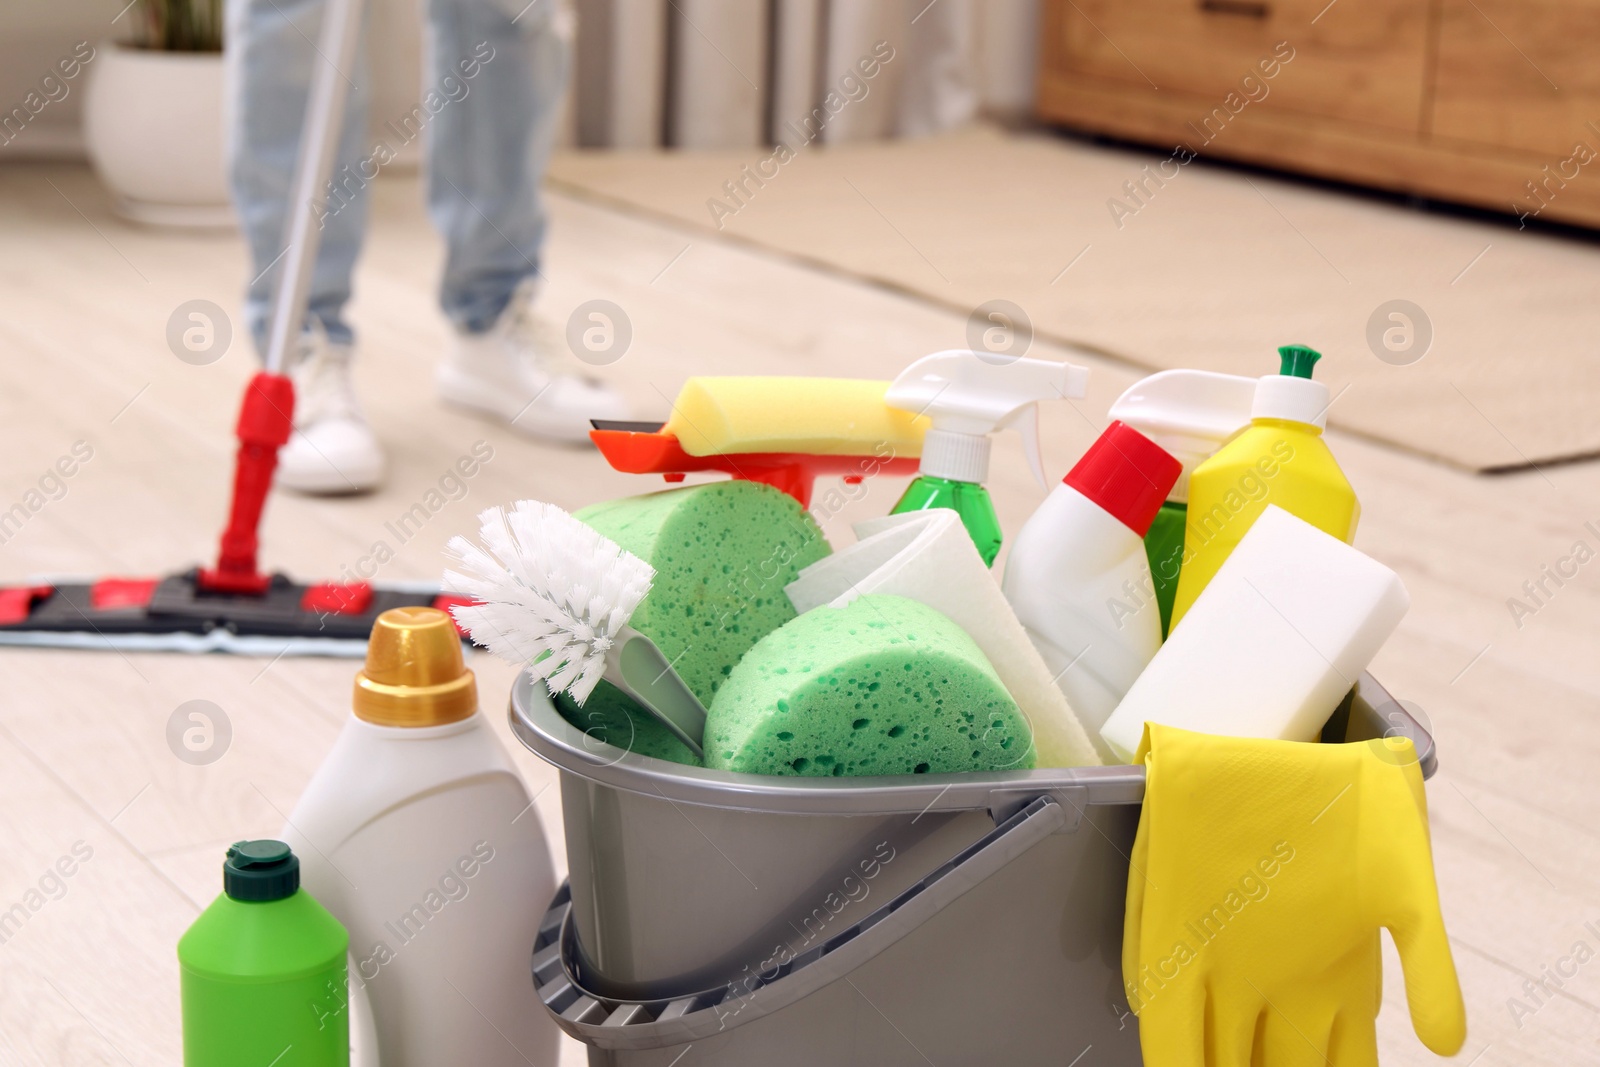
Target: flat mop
x=234, y=606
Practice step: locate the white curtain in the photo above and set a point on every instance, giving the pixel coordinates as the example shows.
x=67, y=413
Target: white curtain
x=741, y=73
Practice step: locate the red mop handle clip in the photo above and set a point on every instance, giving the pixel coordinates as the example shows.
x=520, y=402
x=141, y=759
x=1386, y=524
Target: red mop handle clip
x=266, y=419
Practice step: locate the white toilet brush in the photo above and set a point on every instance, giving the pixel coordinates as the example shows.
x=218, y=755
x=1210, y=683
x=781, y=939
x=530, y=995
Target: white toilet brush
x=554, y=596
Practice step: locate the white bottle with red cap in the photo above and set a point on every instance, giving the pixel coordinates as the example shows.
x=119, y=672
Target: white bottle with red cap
x=1078, y=577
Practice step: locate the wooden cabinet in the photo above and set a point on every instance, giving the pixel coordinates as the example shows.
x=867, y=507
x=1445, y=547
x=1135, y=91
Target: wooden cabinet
x=1364, y=67
x=1468, y=100
x=1518, y=74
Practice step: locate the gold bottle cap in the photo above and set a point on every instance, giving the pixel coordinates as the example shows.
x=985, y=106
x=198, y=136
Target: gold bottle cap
x=415, y=675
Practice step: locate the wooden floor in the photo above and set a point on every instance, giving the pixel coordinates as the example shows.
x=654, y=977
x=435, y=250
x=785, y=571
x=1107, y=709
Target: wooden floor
x=91, y=978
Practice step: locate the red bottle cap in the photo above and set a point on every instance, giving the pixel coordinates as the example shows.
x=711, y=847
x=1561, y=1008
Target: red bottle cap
x=1127, y=474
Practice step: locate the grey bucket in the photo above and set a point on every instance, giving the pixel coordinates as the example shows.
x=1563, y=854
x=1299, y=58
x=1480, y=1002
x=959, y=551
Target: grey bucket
x=720, y=918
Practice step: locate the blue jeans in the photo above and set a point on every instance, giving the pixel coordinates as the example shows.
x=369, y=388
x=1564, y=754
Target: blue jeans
x=487, y=112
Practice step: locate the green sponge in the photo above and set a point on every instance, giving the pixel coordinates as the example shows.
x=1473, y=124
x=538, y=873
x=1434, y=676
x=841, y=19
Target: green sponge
x=723, y=552
x=884, y=685
x=610, y=716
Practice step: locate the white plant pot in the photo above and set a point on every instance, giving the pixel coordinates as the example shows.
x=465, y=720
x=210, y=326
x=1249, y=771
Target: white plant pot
x=155, y=128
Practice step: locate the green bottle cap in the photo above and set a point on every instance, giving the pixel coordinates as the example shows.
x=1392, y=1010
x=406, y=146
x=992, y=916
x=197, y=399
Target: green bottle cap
x=1298, y=360
x=260, y=871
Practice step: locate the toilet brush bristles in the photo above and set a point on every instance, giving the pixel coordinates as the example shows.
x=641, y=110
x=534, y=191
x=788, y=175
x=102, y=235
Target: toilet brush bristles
x=552, y=593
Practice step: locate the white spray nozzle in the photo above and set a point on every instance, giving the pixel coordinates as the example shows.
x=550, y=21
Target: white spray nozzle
x=970, y=395
x=1190, y=413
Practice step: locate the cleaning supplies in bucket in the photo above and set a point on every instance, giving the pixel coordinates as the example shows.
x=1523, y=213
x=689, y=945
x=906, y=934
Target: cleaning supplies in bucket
x=417, y=833
x=1260, y=876
x=928, y=556
x=887, y=660
x=1079, y=578
x=263, y=973
x=1273, y=644
x=969, y=396
x=1190, y=413
x=882, y=685
x=1280, y=459
x=711, y=559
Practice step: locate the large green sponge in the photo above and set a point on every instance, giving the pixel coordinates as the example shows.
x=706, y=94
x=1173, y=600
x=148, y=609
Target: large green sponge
x=884, y=685
x=723, y=552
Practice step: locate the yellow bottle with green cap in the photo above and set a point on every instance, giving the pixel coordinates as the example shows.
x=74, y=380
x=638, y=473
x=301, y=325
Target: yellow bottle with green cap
x=1280, y=458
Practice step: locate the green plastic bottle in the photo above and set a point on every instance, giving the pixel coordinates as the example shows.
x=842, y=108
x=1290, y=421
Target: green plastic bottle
x=263, y=970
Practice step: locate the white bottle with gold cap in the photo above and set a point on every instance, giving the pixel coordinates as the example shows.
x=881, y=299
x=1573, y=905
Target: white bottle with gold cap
x=419, y=835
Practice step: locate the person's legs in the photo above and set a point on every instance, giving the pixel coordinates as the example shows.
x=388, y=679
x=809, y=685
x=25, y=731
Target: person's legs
x=270, y=81
x=501, y=67
x=332, y=450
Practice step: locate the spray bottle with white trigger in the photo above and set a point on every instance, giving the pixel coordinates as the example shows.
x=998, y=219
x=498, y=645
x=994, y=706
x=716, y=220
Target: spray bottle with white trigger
x=969, y=396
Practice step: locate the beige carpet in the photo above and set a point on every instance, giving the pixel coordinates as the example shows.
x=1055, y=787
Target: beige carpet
x=1213, y=268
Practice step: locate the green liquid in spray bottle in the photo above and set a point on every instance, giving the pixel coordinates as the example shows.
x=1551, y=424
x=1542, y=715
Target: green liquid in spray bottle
x=967, y=499
x=263, y=970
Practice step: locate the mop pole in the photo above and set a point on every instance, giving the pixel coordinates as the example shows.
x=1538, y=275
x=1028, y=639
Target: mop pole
x=266, y=417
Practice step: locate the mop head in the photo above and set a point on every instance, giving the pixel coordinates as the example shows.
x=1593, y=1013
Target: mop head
x=611, y=717
x=883, y=685
x=722, y=553
x=552, y=593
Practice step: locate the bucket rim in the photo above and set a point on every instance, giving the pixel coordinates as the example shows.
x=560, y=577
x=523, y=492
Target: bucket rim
x=541, y=729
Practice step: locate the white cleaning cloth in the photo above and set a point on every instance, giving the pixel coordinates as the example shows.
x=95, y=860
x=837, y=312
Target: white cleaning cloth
x=928, y=556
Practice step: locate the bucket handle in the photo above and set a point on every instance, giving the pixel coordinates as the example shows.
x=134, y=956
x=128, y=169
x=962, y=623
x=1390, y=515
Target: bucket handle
x=609, y=1023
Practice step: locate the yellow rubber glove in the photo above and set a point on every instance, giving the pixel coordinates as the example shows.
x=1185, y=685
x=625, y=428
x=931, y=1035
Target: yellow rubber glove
x=1260, y=876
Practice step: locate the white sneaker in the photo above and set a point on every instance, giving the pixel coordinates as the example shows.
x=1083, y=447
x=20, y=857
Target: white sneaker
x=333, y=450
x=512, y=372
